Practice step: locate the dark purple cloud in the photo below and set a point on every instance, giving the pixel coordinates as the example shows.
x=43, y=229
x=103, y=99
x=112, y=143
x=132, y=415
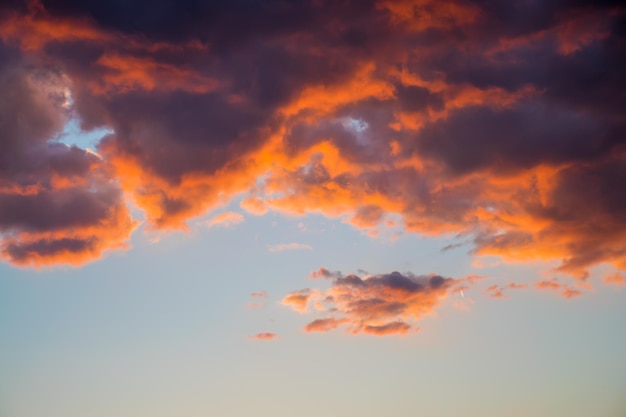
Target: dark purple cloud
x=499, y=120
x=58, y=204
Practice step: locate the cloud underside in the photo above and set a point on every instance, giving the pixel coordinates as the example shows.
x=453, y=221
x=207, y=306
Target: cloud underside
x=501, y=121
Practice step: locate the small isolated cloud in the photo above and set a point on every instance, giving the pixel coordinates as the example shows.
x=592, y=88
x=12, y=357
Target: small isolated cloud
x=324, y=325
x=616, y=279
x=264, y=337
x=497, y=291
x=298, y=300
x=569, y=292
x=227, y=219
x=396, y=327
x=379, y=305
x=289, y=246
x=261, y=295
x=323, y=273
x=563, y=290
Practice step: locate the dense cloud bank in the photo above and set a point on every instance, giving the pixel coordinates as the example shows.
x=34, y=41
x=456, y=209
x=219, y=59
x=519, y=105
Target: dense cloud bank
x=500, y=120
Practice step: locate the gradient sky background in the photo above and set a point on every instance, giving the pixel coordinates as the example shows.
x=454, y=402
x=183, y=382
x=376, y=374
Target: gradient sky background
x=278, y=208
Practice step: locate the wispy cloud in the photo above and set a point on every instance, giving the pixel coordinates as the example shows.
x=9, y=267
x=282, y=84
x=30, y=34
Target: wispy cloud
x=261, y=295
x=616, y=279
x=564, y=290
x=227, y=219
x=264, y=337
x=288, y=246
x=254, y=205
x=498, y=291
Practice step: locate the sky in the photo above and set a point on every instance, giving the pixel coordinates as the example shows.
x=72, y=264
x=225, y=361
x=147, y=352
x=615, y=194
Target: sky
x=312, y=207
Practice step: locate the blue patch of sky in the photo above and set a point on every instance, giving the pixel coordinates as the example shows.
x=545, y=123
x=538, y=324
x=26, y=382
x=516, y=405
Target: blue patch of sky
x=73, y=135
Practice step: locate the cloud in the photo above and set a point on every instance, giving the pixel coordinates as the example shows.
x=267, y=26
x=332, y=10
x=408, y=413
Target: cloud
x=288, y=246
x=261, y=295
x=616, y=279
x=298, y=300
x=225, y=219
x=264, y=337
x=254, y=205
x=563, y=290
x=396, y=327
x=58, y=204
x=498, y=291
x=324, y=325
x=378, y=305
x=500, y=122
x=323, y=273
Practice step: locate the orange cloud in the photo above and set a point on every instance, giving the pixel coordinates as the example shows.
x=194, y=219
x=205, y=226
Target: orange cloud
x=37, y=29
x=564, y=290
x=323, y=273
x=254, y=205
x=324, y=325
x=298, y=300
x=225, y=219
x=126, y=73
x=264, y=337
x=75, y=246
x=378, y=305
x=423, y=15
x=497, y=291
x=440, y=117
x=573, y=32
x=169, y=205
x=548, y=285
x=570, y=293
x=616, y=279
x=257, y=295
x=396, y=327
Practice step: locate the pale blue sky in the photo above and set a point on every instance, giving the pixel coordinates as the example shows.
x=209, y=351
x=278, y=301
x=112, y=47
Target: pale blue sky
x=161, y=330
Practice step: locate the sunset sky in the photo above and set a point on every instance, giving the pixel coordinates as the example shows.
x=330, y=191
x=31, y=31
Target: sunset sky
x=312, y=208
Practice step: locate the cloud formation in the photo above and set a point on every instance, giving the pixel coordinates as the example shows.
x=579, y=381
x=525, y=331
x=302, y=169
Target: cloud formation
x=261, y=296
x=498, y=291
x=563, y=290
x=379, y=305
x=616, y=279
x=264, y=337
x=502, y=121
x=58, y=204
x=298, y=300
x=225, y=219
